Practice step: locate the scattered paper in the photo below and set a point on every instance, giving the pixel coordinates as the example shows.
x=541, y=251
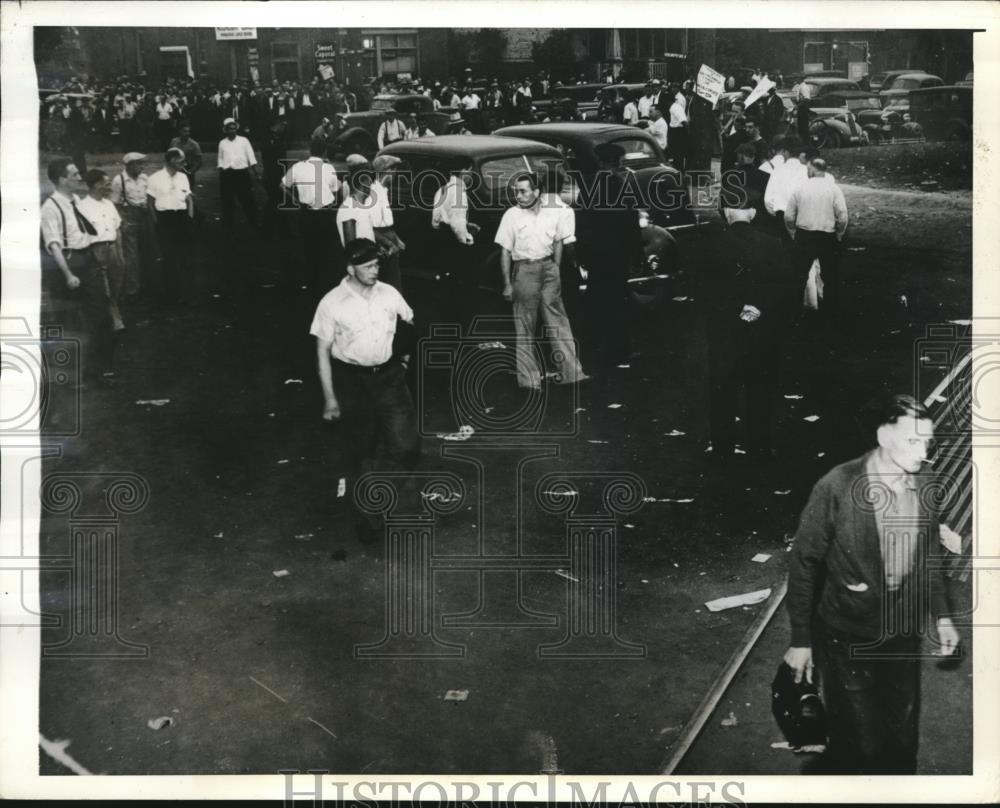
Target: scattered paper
x=747, y=599
x=456, y=695
x=811, y=418
x=820, y=748
x=904, y=301
x=596, y=441
x=738, y=450
x=624, y=367
x=280, y=573
x=579, y=409
x=153, y=402
x=856, y=249
x=645, y=580
x=862, y=587
x=674, y=433
x=783, y=493
x=729, y=721
x=341, y=486
x=793, y=397
x=161, y=722
x=561, y=493
x=629, y=525
x=218, y=535
x=305, y=536
x=464, y=433
x=614, y=406
x=282, y=462
x=960, y=322
x=821, y=454
x=293, y=381
x=567, y=576
x=440, y=496
x=684, y=501
x=486, y=346
x=761, y=558
x=680, y=299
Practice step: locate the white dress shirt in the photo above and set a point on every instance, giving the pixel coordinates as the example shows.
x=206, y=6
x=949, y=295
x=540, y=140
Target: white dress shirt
x=451, y=208
x=169, y=192
x=129, y=192
x=678, y=111
x=351, y=210
x=236, y=153
x=784, y=179
x=391, y=131
x=567, y=218
x=658, y=129
x=381, y=211
x=817, y=205
x=529, y=234
x=103, y=214
x=643, y=105
x=315, y=182
x=471, y=101
x=59, y=225
x=630, y=115
x=360, y=329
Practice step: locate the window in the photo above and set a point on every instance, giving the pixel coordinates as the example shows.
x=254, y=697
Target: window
x=285, y=61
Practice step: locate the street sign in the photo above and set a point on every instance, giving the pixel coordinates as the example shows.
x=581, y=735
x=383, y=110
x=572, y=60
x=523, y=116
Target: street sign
x=230, y=34
x=710, y=84
x=325, y=53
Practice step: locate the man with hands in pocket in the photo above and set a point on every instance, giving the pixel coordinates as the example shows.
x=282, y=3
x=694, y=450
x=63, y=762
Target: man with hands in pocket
x=864, y=589
x=364, y=385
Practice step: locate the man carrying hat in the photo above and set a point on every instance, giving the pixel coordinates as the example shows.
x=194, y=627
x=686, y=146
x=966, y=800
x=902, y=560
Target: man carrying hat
x=129, y=191
x=390, y=244
x=236, y=162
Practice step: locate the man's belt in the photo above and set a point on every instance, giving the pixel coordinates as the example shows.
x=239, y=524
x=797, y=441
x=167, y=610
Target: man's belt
x=366, y=370
x=532, y=260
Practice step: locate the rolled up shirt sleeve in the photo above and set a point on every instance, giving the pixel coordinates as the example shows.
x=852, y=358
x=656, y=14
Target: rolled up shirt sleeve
x=51, y=225
x=840, y=211
x=505, y=233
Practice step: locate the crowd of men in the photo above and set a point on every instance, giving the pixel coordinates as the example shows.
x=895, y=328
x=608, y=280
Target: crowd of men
x=107, y=237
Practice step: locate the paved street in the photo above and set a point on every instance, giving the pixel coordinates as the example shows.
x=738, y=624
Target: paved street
x=258, y=671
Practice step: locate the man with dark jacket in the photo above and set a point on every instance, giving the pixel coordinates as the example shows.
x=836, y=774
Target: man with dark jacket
x=863, y=587
x=747, y=295
x=744, y=185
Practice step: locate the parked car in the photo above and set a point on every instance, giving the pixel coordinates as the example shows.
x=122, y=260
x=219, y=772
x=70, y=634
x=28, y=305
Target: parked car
x=661, y=192
x=614, y=97
x=966, y=82
x=944, y=113
x=425, y=167
x=832, y=124
x=585, y=97
x=821, y=85
x=879, y=81
x=361, y=128
x=905, y=82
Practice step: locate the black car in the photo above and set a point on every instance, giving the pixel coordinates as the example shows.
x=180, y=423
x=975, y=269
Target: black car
x=943, y=113
x=659, y=186
x=426, y=166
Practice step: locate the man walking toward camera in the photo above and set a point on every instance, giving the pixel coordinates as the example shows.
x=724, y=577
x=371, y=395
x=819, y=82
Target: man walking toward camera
x=364, y=385
x=862, y=587
x=531, y=236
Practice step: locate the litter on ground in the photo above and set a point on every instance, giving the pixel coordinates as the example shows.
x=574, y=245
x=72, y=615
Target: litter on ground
x=280, y=573
x=793, y=397
x=567, y=576
x=456, y=695
x=341, y=487
x=761, y=558
x=153, y=402
x=730, y=721
x=811, y=418
x=674, y=433
x=293, y=381
x=783, y=493
x=161, y=722
x=614, y=406
x=486, y=346
x=746, y=599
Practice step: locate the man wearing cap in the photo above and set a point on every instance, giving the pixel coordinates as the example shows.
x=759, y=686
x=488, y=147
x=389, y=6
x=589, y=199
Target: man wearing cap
x=171, y=205
x=389, y=242
x=69, y=273
x=129, y=193
x=236, y=162
x=391, y=130
x=363, y=384
x=316, y=190
x=531, y=237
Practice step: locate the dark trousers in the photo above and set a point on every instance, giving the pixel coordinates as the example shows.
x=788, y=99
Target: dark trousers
x=677, y=146
x=378, y=419
x=810, y=245
x=461, y=276
x=321, y=245
x=234, y=183
x=388, y=266
x=732, y=370
x=174, y=235
x=872, y=704
x=83, y=312
x=606, y=304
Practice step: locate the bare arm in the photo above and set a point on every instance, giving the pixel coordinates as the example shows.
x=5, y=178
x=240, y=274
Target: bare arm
x=505, y=262
x=324, y=365
x=55, y=250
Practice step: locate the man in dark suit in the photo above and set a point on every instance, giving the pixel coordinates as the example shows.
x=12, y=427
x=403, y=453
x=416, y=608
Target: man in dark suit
x=747, y=294
x=864, y=588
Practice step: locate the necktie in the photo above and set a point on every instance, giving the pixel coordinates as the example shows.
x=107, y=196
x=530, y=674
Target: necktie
x=82, y=220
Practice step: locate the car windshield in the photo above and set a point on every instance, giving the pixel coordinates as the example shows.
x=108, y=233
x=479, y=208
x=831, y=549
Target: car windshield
x=906, y=84
x=577, y=93
x=382, y=104
x=855, y=104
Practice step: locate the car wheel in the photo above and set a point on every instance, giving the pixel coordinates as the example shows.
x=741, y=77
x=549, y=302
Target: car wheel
x=823, y=137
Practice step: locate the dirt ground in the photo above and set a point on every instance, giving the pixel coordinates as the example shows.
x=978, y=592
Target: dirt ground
x=259, y=673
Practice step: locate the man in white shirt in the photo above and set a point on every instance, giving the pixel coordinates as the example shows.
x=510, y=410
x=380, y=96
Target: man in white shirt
x=630, y=114
x=816, y=219
x=455, y=235
x=531, y=236
x=391, y=130
x=364, y=385
x=786, y=176
x=106, y=247
x=68, y=270
x=236, y=162
x=383, y=224
x=317, y=191
x=355, y=215
x=172, y=208
x=128, y=193
x=657, y=127
x=678, y=131
x=645, y=101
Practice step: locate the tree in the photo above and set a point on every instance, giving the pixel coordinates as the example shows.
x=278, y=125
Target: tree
x=490, y=46
x=555, y=54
